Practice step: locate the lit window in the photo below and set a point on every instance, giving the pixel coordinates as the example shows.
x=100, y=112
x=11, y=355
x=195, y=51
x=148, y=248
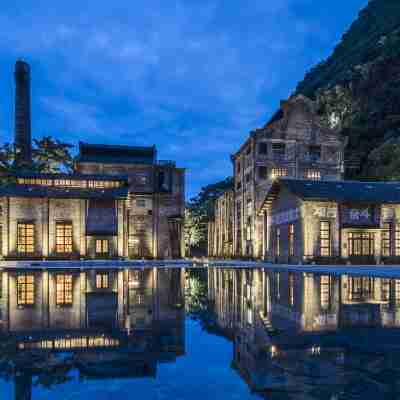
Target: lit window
x=386, y=239
x=278, y=173
x=325, y=291
x=291, y=240
x=63, y=289
x=397, y=291
x=278, y=242
x=25, y=238
x=101, y=246
x=102, y=280
x=25, y=289
x=385, y=287
x=278, y=285
x=325, y=238
x=313, y=174
x=397, y=240
x=64, y=238
x=291, y=289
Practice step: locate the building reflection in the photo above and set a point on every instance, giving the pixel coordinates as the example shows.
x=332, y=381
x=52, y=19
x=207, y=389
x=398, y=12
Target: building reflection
x=102, y=323
x=307, y=335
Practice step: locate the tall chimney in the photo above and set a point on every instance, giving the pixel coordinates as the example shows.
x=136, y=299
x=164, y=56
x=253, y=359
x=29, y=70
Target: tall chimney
x=23, y=144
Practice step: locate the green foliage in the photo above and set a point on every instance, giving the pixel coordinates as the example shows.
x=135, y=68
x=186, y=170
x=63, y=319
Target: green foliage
x=199, y=211
x=49, y=156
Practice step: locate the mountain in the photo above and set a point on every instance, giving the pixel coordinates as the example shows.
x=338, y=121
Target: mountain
x=357, y=90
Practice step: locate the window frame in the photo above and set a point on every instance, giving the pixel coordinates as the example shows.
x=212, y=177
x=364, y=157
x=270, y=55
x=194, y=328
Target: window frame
x=64, y=289
x=22, y=245
x=105, y=249
x=102, y=280
x=323, y=238
x=24, y=288
x=291, y=237
x=63, y=244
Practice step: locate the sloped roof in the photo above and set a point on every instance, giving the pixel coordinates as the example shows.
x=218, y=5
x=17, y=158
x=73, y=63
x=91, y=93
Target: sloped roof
x=37, y=191
x=116, y=154
x=340, y=191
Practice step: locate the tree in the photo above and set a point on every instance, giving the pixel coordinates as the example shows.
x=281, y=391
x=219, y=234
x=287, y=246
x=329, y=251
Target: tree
x=200, y=210
x=49, y=156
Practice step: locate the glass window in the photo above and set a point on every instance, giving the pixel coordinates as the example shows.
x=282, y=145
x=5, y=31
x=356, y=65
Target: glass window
x=386, y=239
x=291, y=288
x=325, y=238
x=262, y=148
x=313, y=174
x=262, y=172
x=63, y=289
x=101, y=246
x=291, y=240
x=278, y=173
x=385, y=288
x=397, y=240
x=64, y=237
x=315, y=153
x=102, y=280
x=361, y=243
x=278, y=285
x=278, y=150
x=397, y=291
x=278, y=241
x=25, y=238
x=26, y=289
x=325, y=291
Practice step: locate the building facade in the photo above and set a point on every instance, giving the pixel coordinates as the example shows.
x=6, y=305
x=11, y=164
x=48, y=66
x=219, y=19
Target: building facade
x=119, y=201
x=294, y=143
x=333, y=221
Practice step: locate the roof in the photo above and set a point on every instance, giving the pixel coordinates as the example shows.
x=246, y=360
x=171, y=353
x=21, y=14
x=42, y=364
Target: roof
x=73, y=176
x=340, y=191
x=116, y=154
x=36, y=191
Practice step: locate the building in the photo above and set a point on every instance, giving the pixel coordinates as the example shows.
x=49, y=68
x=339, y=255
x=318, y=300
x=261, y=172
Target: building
x=294, y=143
x=119, y=202
x=332, y=221
x=220, y=230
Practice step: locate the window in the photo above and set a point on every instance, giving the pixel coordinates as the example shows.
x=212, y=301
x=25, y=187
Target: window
x=385, y=287
x=262, y=172
x=248, y=177
x=291, y=288
x=25, y=238
x=101, y=246
x=262, y=148
x=25, y=289
x=140, y=203
x=278, y=285
x=278, y=242
x=325, y=238
x=361, y=289
x=278, y=150
x=325, y=292
x=249, y=206
x=361, y=243
x=291, y=240
x=397, y=240
x=64, y=237
x=315, y=153
x=102, y=280
x=248, y=230
x=386, y=240
x=238, y=167
x=313, y=174
x=63, y=289
x=397, y=291
x=248, y=150
x=278, y=173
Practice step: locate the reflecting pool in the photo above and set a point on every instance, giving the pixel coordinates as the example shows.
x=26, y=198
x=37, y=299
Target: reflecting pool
x=200, y=333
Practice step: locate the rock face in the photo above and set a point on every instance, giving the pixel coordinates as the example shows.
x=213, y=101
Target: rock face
x=357, y=90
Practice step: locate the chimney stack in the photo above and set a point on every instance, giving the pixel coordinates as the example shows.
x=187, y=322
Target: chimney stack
x=23, y=144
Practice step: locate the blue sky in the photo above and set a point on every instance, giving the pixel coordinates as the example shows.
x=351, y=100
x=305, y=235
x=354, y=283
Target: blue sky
x=191, y=76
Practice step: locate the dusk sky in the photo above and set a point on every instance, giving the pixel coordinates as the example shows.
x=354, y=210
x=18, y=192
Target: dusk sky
x=190, y=76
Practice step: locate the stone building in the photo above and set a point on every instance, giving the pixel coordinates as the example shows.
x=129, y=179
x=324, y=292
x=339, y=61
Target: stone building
x=294, y=143
x=119, y=202
x=220, y=230
x=332, y=221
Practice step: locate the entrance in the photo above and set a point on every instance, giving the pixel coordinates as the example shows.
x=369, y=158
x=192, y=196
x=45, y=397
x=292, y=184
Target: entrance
x=361, y=244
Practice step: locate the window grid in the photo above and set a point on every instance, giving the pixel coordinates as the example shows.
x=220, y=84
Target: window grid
x=313, y=174
x=325, y=291
x=102, y=280
x=25, y=289
x=64, y=238
x=291, y=240
x=397, y=240
x=386, y=239
x=279, y=173
x=325, y=238
x=101, y=246
x=63, y=289
x=25, y=238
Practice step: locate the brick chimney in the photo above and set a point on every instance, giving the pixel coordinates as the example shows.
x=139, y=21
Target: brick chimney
x=23, y=144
